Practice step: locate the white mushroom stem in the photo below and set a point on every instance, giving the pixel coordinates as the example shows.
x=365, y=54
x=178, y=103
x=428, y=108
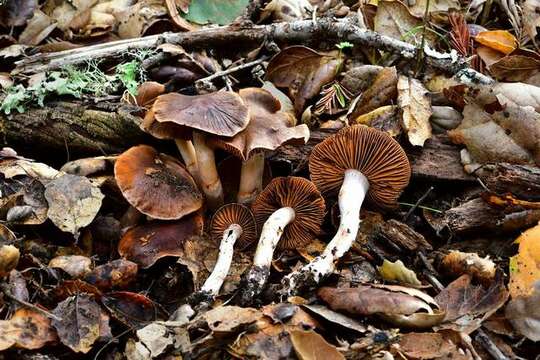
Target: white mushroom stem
x=270, y=235
x=351, y=196
x=187, y=151
x=251, y=178
x=210, y=182
x=223, y=264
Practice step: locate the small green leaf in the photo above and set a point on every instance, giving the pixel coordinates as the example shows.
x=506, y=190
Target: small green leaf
x=220, y=12
x=344, y=45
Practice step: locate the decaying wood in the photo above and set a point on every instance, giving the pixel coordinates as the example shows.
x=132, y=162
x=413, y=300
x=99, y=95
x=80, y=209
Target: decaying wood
x=476, y=216
x=303, y=31
x=90, y=128
x=521, y=180
x=400, y=234
x=438, y=160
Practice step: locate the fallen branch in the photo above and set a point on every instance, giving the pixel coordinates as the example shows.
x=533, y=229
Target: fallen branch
x=302, y=31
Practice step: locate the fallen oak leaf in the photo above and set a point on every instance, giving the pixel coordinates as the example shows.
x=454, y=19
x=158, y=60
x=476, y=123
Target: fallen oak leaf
x=79, y=326
x=303, y=71
x=416, y=108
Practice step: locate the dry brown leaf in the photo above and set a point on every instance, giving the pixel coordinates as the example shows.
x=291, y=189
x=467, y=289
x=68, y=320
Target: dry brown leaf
x=336, y=318
x=457, y=263
x=79, y=326
x=76, y=266
x=136, y=19
x=382, y=91
x=303, y=71
x=27, y=329
x=118, y=273
x=132, y=309
x=398, y=272
x=37, y=29
x=500, y=40
x=226, y=319
x=416, y=108
x=524, y=313
x=73, y=202
x=418, y=8
x=385, y=118
x=515, y=68
x=430, y=346
x=394, y=19
x=287, y=10
x=531, y=17
x=467, y=305
x=308, y=345
x=525, y=266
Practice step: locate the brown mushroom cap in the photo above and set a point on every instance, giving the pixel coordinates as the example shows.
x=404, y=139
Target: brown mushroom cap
x=147, y=243
x=301, y=195
x=373, y=152
x=268, y=128
x=234, y=213
x=156, y=184
x=163, y=131
x=222, y=113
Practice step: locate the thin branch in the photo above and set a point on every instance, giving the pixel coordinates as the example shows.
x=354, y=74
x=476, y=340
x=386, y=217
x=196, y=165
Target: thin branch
x=294, y=32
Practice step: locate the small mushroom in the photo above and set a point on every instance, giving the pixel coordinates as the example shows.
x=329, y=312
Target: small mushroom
x=268, y=129
x=232, y=223
x=156, y=184
x=220, y=114
x=292, y=211
x=358, y=162
x=147, y=243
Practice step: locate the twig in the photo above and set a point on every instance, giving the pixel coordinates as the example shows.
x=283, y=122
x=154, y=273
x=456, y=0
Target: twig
x=8, y=294
x=231, y=70
x=489, y=345
x=294, y=32
x=418, y=202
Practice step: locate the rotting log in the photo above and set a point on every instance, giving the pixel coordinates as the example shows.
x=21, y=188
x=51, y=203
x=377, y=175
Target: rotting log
x=102, y=128
x=401, y=235
x=521, y=180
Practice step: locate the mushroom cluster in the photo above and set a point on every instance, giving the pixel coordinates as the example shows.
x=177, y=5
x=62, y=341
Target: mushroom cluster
x=357, y=163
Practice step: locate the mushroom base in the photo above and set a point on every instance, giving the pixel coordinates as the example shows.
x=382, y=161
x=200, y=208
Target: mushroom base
x=253, y=284
x=351, y=196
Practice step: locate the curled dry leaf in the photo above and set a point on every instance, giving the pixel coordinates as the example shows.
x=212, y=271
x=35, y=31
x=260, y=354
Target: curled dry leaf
x=524, y=313
x=515, y=68
x=416, y=108
x=73, y=202
x=467, y=305
x=27, y=329
x=397, y=304
x=37, y=29
x=336, y=318
x=457, y=263
x=303, y=71
x=382, y=91
x=79, y=324
x=500, y=40
x=134, y=20
x=115, y=274
x=76, y=266
x=308, y=345
x=398, y=272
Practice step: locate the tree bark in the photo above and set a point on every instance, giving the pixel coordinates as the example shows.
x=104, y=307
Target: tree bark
x=521, y=180
x=102, y=128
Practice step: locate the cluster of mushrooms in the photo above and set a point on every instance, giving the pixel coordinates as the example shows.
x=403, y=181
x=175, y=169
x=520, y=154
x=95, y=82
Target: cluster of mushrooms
x=356, y=163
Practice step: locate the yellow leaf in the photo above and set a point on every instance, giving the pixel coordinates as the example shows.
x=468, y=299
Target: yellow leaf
x=500, y=40
x=525, y=266
x=397, y=271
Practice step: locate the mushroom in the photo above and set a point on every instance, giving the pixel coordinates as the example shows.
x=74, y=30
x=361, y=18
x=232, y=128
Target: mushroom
x=156, y=184
x=180, y=135
x=147, y=243
x=292, y=210
x=232, y=223
x=359, y=162
x=268, y=129
x=221, y=113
